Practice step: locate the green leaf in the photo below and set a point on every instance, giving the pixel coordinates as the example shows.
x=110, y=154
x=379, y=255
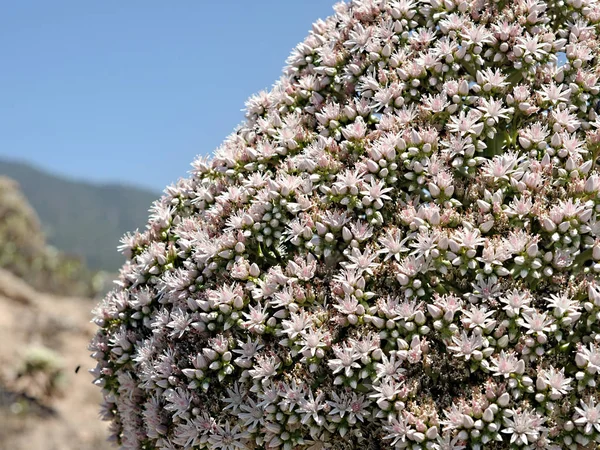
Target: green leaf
x=515, y=76
x=495, y=145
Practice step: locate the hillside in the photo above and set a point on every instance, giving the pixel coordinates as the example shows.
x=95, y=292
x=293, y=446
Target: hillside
x=25, y=253
x=33, y=323
x=82, y=218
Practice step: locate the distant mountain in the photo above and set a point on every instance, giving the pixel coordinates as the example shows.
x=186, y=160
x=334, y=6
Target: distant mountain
x=82, y=218
x=24, y=252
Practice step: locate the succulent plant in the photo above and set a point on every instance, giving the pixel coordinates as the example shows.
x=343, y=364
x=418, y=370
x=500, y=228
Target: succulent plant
x=399, y=248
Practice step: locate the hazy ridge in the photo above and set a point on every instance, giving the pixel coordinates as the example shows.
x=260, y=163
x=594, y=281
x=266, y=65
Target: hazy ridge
x=82, y=218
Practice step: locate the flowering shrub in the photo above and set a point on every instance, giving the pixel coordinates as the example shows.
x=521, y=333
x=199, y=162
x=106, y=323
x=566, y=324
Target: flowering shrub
x=399, y=248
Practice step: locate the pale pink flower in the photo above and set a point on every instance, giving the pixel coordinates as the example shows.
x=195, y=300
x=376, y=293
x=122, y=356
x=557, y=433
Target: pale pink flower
x=505, y=364
x=467, y=346
x=523, y=426
x=588, y=416
x=345, y=360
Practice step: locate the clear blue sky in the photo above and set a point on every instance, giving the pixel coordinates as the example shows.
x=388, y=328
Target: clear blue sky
x=131, y=91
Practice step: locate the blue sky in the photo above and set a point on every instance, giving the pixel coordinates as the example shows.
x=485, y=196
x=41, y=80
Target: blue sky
x=131, y=91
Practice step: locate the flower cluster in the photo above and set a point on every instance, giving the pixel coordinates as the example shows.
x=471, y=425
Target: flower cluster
x=401, y=245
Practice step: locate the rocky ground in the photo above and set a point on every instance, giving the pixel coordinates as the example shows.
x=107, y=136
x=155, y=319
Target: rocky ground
x=54, y=407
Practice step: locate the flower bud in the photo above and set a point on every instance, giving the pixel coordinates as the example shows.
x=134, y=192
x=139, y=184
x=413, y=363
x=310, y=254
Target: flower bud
x=503, y=400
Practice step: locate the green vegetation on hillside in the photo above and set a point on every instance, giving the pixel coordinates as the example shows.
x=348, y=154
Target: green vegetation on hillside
x=24, y=252
x=82, y=218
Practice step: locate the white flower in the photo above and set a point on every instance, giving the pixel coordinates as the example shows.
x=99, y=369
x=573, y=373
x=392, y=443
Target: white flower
x=313, y=342
x=588, y=416
x=485, y=289
x=310, y=408
x=530, y=45
x=234, y=398
x=455, y=418
x=251, y=415
x=447, y=442
x=516, y=301
x=533, y=134
x=506, y=364
x=291, y=395
x=297, y=323
x=449, y=303
x=557, y=381
x=345, y=360
x=180, y=323
x=411, y=266
x=563, y=304
x=413, y=353
x=366, y=345
x=502, y=166
x=249, y=348
x=352, y=406
x=589, y=358
x=349, y=182
x=226, y=437
x=362, y=261
x=467, y=238
x=349, y=305
x=361, y=231
x=477, y=35
x=418, y=186
x=387, y=390
x=393, y=244
x=554, y=93
x=266, y=367
x=524, y=426
x=493, y=110
x=467, y=346
x=178, y=401
x=520, y=206
x=478, y=317
x=536, y=322
x=267, y=394
x=389, y=367
x=360, y=37
x=395, y=309
x=398, y=430
x=256, y=318
x=435, y=103
x=425, y=243
x=466, y=124
x=564, y=120
x=490, y=78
